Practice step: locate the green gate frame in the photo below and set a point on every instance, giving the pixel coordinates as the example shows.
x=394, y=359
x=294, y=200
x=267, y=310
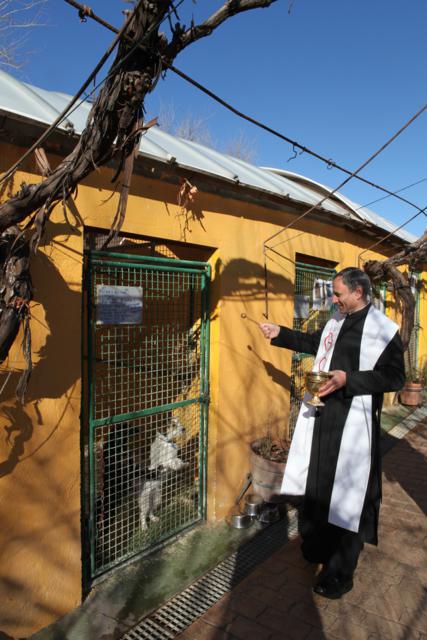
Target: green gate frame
x=92, y=260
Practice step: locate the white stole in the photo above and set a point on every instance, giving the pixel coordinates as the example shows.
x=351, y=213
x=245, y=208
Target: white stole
x=354, y=458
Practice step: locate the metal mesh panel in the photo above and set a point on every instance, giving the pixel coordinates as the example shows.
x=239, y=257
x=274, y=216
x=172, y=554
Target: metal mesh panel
x=154, y=363
x=309, y=315
x=137, y=507
x=148, y=402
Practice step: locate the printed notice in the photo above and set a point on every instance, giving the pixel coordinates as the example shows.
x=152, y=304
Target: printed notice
x=118, y=305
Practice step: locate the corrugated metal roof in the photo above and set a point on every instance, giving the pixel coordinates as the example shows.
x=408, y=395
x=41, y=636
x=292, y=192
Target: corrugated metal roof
x=44, y=106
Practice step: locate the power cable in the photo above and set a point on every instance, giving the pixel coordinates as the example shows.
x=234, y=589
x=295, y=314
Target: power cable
x=354, y=173
x=82, y=89
x=318, y=204
x=408, y=186
x=69, y=108
x=296, y=145
x=372, y=246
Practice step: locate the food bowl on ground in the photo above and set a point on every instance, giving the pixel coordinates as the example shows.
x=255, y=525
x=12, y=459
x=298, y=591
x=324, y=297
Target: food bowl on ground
x=253, y=504
x=240, y=520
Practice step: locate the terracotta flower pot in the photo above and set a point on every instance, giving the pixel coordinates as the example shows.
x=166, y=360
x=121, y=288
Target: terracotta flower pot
x=411, y=394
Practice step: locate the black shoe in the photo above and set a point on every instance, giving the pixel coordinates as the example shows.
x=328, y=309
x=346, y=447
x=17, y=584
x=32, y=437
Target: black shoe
x=332, y=587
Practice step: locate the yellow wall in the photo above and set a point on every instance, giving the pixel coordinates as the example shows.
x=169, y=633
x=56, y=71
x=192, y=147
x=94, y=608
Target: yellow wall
x=40, y=442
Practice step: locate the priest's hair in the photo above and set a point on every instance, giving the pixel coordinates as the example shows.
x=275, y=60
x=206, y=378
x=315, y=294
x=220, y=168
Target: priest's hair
x=353, y=278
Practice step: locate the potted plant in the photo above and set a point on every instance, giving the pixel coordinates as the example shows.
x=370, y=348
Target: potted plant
x=411, y=394
x=268, y=459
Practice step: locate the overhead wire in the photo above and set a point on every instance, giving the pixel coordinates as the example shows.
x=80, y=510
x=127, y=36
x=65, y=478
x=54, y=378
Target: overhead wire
x=391, y=233
x=408, y=186
x=76, y=96
x=72, y=106
x=401, y=226
x=354, y=173
x=295, y=145
x=330, y=163
x=330, y=193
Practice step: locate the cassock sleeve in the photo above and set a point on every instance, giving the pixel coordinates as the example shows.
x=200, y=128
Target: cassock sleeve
x=388, y=374
x=297, y=340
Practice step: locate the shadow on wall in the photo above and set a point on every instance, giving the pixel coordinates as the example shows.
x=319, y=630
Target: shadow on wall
x=34, y=504
x=25, y=536
x=253, y=396
x=58, y=361
x=57, y=370
x=243, y=280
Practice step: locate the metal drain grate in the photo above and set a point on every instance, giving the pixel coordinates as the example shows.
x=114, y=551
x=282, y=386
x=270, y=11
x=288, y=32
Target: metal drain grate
x=182, y=610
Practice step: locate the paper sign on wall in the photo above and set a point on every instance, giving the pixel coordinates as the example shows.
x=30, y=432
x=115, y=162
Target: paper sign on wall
x=118, y=305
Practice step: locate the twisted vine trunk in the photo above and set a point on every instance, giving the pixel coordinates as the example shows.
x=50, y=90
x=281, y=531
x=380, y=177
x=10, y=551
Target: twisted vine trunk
x=415, y=257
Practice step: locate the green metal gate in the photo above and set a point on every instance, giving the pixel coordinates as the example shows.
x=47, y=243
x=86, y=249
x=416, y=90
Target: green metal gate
x=310, y=313
x=147, y=398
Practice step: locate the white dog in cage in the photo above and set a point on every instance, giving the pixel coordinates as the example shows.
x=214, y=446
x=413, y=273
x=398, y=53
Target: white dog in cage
x=150, y=499
x=163, y=458
x=164, y=451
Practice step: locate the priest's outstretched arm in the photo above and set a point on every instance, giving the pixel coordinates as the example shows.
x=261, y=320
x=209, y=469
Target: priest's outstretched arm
x=290, y=339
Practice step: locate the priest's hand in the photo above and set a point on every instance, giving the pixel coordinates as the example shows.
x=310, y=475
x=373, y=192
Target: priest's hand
x=269, y=329
x=337, y=380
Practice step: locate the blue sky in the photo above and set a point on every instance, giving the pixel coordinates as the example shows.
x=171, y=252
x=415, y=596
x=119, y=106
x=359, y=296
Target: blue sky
x=339, y=76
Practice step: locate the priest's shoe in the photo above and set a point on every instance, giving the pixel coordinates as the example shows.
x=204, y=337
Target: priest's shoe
x=333, y=587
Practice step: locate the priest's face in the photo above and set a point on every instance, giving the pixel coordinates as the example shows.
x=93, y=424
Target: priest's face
x=347, y=301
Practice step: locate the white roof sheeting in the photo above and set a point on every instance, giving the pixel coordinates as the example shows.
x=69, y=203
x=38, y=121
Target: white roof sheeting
x=44, y=106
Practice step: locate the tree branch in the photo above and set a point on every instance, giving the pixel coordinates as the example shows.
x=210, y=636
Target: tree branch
x=182, y=39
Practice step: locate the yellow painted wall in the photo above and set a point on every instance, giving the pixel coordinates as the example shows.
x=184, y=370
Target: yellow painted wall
x=40, y=541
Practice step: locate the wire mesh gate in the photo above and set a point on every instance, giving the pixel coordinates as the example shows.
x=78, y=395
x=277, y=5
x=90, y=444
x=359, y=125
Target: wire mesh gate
x=312, y=309
x=148, y=337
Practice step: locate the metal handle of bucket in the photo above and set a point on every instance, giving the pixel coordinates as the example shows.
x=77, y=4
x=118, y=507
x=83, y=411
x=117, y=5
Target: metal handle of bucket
x=245, y=488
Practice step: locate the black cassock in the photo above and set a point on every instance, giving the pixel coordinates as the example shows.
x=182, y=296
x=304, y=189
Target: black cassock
x=321, y=538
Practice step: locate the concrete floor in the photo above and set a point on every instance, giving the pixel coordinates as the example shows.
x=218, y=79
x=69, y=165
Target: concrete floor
x=119, y=601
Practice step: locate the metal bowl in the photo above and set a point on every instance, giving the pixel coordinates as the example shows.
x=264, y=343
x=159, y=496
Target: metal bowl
x=253, y=504
x=240, y=520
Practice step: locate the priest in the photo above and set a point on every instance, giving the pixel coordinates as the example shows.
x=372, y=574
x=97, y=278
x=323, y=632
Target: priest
x=334, y=460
